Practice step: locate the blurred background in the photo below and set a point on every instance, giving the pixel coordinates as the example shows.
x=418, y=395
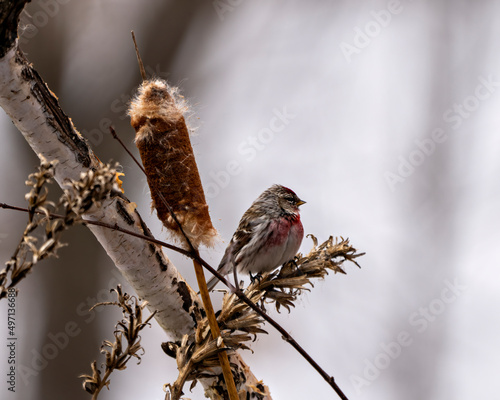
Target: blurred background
x=382, y=115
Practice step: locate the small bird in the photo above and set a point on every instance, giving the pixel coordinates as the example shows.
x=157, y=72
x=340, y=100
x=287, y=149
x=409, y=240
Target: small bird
x=268, y=235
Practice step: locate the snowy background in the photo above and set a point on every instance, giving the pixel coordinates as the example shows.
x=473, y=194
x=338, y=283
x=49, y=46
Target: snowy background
x=389, y=130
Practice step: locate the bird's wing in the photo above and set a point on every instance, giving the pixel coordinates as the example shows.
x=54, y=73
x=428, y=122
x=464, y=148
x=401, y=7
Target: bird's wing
x=248, y=229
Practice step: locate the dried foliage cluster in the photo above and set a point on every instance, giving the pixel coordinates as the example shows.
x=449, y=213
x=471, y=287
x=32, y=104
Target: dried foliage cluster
x=284, y=285
x=239, y=324
x=197, y=354
x=116, y=355
x=48, y=219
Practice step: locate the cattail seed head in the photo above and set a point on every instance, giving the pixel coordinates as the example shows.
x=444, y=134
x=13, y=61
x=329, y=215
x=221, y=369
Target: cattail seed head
x=162, y=137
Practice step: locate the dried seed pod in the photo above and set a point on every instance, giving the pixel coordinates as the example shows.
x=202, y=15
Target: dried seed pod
x=162, y=137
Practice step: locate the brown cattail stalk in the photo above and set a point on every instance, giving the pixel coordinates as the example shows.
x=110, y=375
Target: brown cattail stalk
x=162, y=137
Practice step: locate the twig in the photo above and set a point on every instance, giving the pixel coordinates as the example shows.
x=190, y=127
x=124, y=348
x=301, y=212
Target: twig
x=139, y=59
x=117, y=357
x=115, y=136
x=214, y=329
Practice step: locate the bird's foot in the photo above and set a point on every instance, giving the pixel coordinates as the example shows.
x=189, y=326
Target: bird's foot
x=257, y=277
x=296, y=269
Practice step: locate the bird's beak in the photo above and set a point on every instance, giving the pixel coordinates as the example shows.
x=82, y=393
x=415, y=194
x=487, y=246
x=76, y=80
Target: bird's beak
x=300, y=202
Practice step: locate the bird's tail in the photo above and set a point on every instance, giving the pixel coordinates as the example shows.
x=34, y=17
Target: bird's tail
x=224, y=269
x=212, y=282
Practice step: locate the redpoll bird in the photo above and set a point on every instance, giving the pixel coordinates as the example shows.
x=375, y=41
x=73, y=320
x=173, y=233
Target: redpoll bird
x=268, y=235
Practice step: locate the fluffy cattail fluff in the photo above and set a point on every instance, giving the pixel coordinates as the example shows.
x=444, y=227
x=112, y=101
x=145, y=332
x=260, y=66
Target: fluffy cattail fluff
x=162, y=138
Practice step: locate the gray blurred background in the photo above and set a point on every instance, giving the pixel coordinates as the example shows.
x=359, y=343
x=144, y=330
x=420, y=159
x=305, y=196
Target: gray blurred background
x=387, y=126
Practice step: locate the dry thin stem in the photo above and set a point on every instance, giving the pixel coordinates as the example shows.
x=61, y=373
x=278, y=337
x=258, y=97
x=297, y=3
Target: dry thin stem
x=27, y=254
x=78, y=197
x=215, y=331
x=116, y=356
x=139, y=59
